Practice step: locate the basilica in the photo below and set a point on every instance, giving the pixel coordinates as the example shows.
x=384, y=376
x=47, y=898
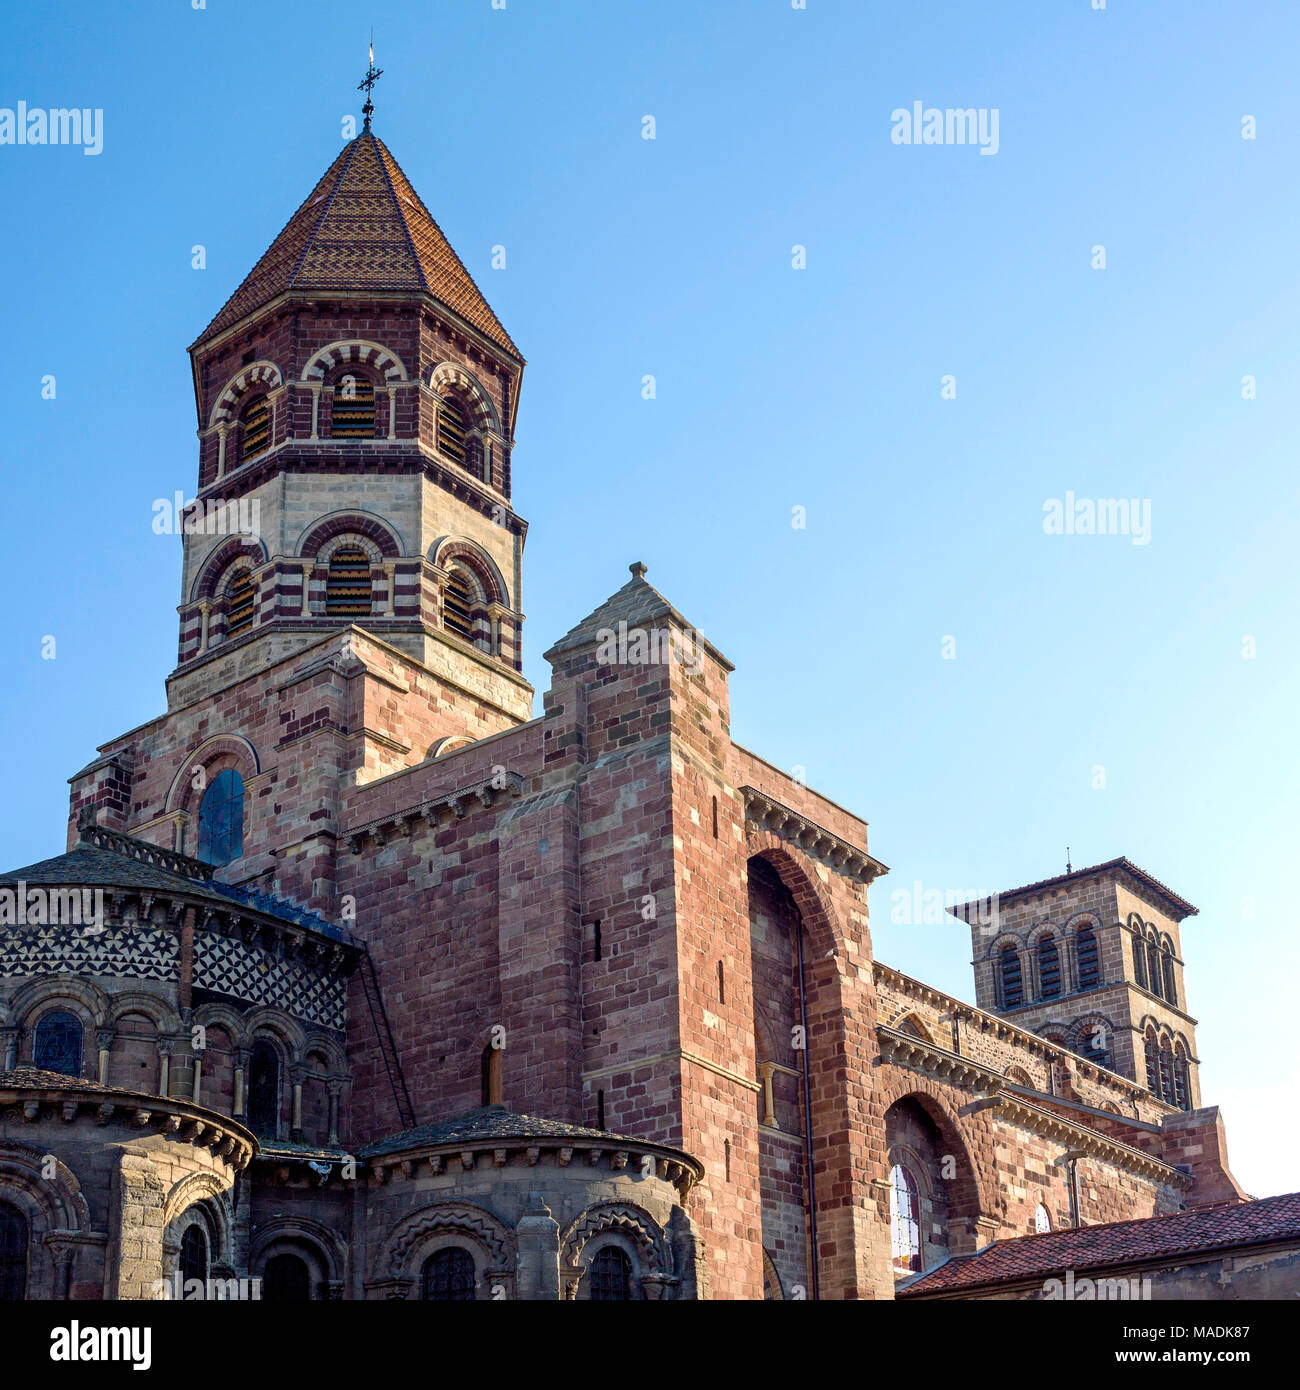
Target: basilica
x=389, y=979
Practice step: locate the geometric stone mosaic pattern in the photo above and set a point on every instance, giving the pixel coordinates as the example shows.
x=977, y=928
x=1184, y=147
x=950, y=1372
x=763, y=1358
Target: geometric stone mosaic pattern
x=227, y=966
x=141, y=953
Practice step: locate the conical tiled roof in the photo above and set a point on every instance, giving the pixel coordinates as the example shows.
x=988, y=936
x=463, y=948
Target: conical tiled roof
x=363, y=227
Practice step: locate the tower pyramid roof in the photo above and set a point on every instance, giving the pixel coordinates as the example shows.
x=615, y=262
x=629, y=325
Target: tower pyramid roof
x=363, y=227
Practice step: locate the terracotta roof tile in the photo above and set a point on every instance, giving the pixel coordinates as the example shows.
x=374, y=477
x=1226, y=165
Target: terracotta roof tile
x=363, y=227
x=1117, y=1245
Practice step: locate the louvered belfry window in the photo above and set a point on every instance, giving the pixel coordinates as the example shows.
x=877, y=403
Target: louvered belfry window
x=1049, y=969
x=458, y=601
x=1085, y=948
x=256, y=438
x=452, y=428
x=241, y=602
x=347, y=585
x=1012, y=987
x=354, y=408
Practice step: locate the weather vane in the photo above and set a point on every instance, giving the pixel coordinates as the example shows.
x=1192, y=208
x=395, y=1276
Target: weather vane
x=373, y=74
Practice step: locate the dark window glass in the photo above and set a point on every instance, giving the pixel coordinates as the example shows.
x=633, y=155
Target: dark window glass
x=194, y=1255
x=264, y=1090
x=1013, y=994
x=221, y=819
x=1085, y=947
x=354, y=408
x=13, y=1254
x=286, y=1280
x=449, y=1276
x=347, y=584
x=56, y=1045
x=610, y=1276
x=1049, y=968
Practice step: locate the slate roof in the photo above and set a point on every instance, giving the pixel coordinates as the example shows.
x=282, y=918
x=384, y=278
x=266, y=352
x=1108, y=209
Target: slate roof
x=1182, y=908
x=1116, y=1245
x=489, y=1122
x=363, y=227
x=34, y=1079
x=88, y=866
x=637, y=604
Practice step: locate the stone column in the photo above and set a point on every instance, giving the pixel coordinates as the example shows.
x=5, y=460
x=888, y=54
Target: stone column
x=538, y=1240
x=390, y=570
x=241, y=1063
x=10, y=1036
x=295, y=1131
x=335, y=1090
x=164, y=1066
x=205, y=614
x=221, y=449
x=105, y=1040
x=307, y=570
x=198, y=1080
x=765, y=1076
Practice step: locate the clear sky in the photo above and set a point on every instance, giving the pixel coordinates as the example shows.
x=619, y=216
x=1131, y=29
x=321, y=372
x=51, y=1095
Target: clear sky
x=776, y=388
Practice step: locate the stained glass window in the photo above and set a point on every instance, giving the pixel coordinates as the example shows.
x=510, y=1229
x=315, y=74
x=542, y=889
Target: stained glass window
x=905, y=1219
x=221, y=819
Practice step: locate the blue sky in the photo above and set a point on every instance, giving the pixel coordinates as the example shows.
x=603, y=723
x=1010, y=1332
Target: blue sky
x=776, y=388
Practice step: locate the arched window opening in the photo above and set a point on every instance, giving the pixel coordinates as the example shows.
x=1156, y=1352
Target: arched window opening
x=286, y=1279
x=905, y=1220
x=56, y=1044
x=1139, y=960
x=459, y=599
x=1013, y=993
x=221, y=819
x=1152, y=1056
x=609, y=1279
x=1170, y=990
x=1182, y=1080
x=453, y=426
x=1166, y=1072
x=347, y=584
x=1094, y=1042
x=490, y=1075
x=264, y=1090
x=241, y=601
x=255, y=435
x=449, y=1276
x=353, y=415
x=1049, y=969
x=1085, y=952
x=194, y=1255
x=1042, y=1220
x=13, y=1254
x=1154, y=973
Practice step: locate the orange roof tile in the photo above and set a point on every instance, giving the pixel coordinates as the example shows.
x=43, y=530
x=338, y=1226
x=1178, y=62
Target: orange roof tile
x=363, y=227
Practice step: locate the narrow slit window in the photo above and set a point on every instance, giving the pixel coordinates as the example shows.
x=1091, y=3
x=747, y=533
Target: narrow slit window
x=722, y=983
x=595, y=941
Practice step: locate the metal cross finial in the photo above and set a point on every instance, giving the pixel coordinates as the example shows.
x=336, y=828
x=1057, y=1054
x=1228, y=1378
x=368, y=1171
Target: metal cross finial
x=373, y=74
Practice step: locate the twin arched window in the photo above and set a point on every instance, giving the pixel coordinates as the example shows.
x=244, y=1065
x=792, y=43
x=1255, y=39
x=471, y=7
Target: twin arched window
x=448, y=1276
x=1168, y=1073
x=1153, y=963
x=56, y=1043
x=905, y=1219
x=221, y=819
